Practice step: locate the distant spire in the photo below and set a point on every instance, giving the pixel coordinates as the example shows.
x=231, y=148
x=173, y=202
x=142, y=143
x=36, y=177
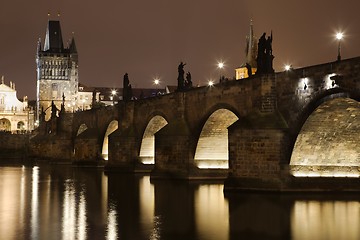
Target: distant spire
x=251, y=47
x=72, y=47
x=53, y=39
x=2, y=79
x=38, y=45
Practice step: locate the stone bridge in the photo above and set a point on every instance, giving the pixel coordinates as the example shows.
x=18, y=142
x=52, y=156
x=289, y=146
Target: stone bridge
x=264, y=132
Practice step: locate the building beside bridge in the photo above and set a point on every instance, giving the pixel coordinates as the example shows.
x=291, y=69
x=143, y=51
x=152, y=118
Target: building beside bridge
x=15, y=116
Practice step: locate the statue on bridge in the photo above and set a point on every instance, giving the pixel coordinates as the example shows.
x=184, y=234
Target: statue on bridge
x=53, y=110
x=127, y=90
x=265, y=56
x=188, y=82
x=183, y=84
x=181, y=80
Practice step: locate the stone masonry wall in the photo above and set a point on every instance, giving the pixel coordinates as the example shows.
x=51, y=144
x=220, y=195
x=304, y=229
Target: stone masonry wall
x=255, y=156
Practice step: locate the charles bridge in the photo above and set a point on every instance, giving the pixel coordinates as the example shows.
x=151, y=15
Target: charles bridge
x=243, y=130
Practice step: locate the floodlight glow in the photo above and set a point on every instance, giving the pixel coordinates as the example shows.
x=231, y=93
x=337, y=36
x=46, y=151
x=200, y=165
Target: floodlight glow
x=156, y=81
x=113, y=92
x=221, y=65
x=339, y=35
x=210, y=83
x=287, y=67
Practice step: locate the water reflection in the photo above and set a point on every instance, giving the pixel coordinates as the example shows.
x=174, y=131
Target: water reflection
x=34, y=203
x=72, y=203
x=212, y=212
x=325, y=220
x=111, y=231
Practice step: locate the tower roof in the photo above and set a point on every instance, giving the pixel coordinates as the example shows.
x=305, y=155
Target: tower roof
x=251, y=47
x=53, y=39
x=72, y=47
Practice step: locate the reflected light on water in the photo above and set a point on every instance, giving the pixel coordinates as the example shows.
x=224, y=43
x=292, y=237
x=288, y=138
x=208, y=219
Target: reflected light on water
x=35, y=203
x=325, y=220
x=111, y=231
x=74, y=218
x=211, y=212
x=69, y=220
x=82, y=217
x=150, y=222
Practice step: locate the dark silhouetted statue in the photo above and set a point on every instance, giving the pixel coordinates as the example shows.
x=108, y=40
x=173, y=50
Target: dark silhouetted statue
x=181, y=80
x=248, y=68
x=53, y=110
x=265, y=57
x=127, y=91
x=188, y=82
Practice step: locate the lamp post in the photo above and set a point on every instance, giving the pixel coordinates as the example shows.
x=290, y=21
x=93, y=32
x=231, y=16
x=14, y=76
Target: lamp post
x=220, y=66
x=113, y=93
x=157, y=83
x=339, y=37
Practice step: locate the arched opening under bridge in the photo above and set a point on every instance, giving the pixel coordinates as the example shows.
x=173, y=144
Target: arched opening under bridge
x=328, y=144
x=147, y=149
x=112, y=127
x=212, y=147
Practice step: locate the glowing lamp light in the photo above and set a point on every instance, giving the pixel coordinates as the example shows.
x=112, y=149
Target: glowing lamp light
x=221, y=65
x=156, y=81
x=287, y=67
x=113, y=92
x=210, y=83
x=339, y=35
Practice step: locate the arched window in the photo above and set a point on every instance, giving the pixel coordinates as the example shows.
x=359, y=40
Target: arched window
x=21, y=125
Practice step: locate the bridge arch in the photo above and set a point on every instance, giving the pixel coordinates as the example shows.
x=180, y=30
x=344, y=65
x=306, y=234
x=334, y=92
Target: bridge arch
x=112, y=127
x=212, y=146
x=328, y=143
x=147, y=149
x=316, y=101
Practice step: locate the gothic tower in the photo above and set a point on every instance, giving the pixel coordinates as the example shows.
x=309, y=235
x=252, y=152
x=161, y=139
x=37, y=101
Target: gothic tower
x=57, y=71
x=250, y=55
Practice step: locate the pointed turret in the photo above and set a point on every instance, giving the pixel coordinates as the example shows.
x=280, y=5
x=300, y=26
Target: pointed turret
x=251, y=47
x=53, y=39
x=72, y=47
x=249, y=67
x=38, y=46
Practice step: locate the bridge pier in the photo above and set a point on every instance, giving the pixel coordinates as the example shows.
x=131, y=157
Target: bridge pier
x=123, y=151
x=174, y=157
x=258, y=147
x=87, y=148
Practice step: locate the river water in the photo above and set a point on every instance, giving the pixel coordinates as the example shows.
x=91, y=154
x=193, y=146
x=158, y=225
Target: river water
x=65, y=202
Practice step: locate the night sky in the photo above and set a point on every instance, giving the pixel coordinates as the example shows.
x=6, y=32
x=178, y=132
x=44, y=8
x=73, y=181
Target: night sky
x=148, y=38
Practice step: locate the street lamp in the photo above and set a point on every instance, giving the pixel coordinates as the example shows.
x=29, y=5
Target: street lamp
x=210, y=83
x=221, y=65
x=157, y=83
x=287, y=67
x=339, y=37
x=113, y=93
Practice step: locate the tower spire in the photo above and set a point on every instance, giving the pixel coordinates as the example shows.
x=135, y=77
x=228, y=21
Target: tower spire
x=53, y=39
x=251, y=47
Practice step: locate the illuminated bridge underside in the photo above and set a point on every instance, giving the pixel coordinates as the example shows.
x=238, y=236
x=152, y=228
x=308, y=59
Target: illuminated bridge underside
x=110, y=129
x=212, y=147
x=147, y=149
x=329, y=142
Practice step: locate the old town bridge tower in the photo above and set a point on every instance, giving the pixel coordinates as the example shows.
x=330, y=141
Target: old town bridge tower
x=57, y=71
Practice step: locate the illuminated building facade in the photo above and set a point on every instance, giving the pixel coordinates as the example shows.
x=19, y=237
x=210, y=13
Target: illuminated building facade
x=15, y=116
x=251, y=54
x=57, y=72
